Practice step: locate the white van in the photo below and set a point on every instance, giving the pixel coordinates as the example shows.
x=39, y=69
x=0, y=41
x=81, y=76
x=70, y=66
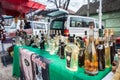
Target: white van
x=71, y=24
x=16, y=26
x=39, y=27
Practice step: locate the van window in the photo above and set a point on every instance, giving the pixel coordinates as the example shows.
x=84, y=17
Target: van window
x=75, y=22
x=86, y=22
x=58, y=24
x=80, y=22
x=39, y=26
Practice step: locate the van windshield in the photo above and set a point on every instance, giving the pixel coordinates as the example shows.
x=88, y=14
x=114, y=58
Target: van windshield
x=80, y=22
x=39, y=26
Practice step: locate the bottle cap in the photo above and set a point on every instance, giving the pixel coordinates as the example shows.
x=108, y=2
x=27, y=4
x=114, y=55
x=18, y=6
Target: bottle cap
x=85, y=32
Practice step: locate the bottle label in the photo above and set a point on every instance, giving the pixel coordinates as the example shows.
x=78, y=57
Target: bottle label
x=100, y=47
x=106, y=45
x=68, y=57
x=111, y=43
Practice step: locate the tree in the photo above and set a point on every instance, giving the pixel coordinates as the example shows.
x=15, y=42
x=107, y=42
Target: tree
x=60, y=3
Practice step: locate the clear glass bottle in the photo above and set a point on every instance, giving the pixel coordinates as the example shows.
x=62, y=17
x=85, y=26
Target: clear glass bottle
x=107, y=49
x=71, y=52
x=37, y=41
x=101, y=51
x=91, y=58
x=27, y=40
x=52, y=46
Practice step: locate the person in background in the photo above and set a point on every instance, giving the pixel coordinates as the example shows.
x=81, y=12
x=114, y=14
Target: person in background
x=27, y=25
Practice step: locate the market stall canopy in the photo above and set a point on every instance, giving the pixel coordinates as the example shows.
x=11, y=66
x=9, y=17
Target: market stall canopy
x=19, y=7
x=58, y=12
x=53, y=12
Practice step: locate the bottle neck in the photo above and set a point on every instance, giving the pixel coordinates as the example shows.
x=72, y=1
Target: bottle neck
x=101, y=40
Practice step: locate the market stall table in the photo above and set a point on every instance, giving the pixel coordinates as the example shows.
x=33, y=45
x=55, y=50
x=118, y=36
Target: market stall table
x=57, y=67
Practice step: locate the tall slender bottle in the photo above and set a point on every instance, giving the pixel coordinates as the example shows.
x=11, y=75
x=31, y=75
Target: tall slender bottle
x=112, y=45
x=81, y=56
x=107, y=49
x=101, y=51
x=61, y=47
x=91, y=58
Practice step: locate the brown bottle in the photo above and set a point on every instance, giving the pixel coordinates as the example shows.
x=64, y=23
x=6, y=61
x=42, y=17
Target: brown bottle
x=101, y=51
x=112, y=45
x=81, y=55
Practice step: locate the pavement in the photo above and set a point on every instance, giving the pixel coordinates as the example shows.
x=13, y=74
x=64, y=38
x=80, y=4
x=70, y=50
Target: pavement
x=5, y=72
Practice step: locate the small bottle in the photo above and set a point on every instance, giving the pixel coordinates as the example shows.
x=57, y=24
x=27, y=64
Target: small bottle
x=42, y=41
x=36, y=42
x=85, y=37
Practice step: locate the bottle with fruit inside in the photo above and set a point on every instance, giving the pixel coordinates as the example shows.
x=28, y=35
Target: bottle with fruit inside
x=91, y=58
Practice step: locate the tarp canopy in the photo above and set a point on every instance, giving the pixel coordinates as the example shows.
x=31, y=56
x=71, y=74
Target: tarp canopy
x=19, y=7
x=52, y=12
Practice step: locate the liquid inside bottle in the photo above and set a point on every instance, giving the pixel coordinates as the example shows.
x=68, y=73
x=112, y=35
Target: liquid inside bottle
x=112, y=45
x=91, y=58
x=71, y=52
x=107, y=50
x=101, y=51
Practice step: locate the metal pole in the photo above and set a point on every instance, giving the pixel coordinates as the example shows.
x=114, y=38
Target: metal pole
x=3, y=52
x=100, y=14
x=88, y=8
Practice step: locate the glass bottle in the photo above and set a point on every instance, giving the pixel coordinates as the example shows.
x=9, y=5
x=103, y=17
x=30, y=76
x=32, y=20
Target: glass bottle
x=52, y=46
x=107, y=49
x=91, y=58
x=28, y=40
x=61, y=46
x=71, y=52
x=101, y=51
x=112, y=45
x=81, y=56
x=37, y=41
x=42, y=41
x=115, y=63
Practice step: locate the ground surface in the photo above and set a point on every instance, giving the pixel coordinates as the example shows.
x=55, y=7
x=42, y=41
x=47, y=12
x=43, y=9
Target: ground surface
x=5, y=72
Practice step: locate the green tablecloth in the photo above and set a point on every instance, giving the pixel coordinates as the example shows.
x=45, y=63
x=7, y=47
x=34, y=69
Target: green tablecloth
x=57, y=67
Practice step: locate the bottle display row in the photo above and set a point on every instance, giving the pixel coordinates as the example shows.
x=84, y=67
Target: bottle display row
x=92, y=54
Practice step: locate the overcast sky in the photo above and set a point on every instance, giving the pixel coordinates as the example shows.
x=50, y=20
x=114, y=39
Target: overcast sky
x=74, y=4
